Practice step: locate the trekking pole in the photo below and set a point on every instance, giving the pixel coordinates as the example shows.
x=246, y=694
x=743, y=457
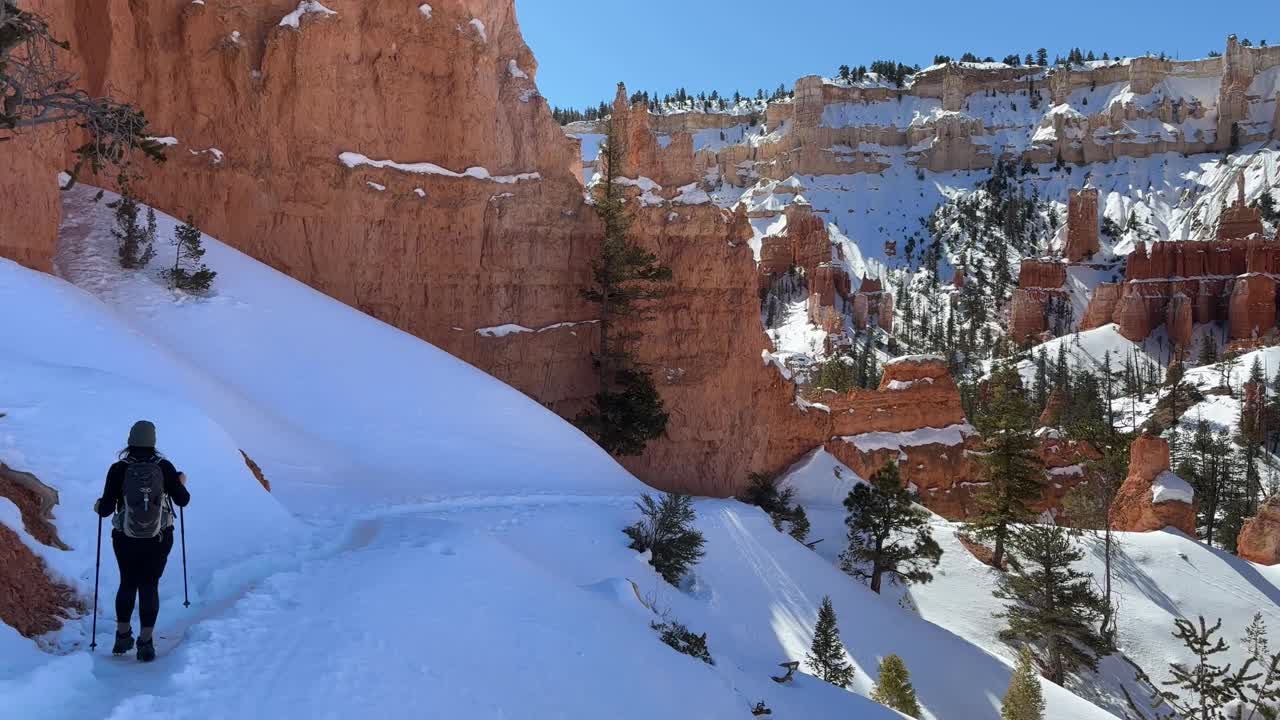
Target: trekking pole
x=97, y=567
x=182, y=530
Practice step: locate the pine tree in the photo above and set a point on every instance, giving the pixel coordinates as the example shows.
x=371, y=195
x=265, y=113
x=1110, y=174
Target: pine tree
x=893, y=688
x=1052, y=606
x=1255, y=639
x=683, y=640
x=763, y=492
x=1023, y=700
x=837, y=374
x=888, y=534
x=1203, y=688
x=1011, y=464
x=826, y=657
x=1042, y=57
x=666, y=531
x=189, y=250
x=1252, y=432
x=135, y=244
x=627, y=411
x=1208, y=350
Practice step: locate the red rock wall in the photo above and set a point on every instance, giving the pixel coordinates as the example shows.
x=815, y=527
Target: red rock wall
x=462, y=254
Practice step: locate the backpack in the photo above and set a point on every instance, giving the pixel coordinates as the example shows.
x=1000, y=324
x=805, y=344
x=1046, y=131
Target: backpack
x=144, y=514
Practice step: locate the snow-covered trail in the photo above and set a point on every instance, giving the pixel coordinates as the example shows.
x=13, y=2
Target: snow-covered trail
x=434, y=544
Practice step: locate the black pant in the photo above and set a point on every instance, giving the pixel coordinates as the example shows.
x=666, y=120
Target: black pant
x=142, y=562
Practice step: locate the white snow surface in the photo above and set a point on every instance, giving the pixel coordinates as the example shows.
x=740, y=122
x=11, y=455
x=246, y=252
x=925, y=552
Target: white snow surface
x=1168, y=487
x=951, y=435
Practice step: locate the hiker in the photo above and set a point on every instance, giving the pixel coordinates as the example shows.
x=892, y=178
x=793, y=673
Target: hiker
x=140, y=492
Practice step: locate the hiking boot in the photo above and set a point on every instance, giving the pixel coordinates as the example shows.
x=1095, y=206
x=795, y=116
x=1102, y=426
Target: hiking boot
x=124, y=643
x=146, y=650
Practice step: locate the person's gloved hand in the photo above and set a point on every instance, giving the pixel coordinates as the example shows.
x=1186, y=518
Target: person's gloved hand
x=96, y=503
x=182, y=478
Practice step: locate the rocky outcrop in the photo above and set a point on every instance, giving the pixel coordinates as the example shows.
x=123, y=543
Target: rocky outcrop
x=914, y=419
x=1040, y=282
x=1181, y=284
x=1238, y=220
x=256, y=470
x=1082, y=225
x=30, y=600
x=1152, y=497
x=1259, y=539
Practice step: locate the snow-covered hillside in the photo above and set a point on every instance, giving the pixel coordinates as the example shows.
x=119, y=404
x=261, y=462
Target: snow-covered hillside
x=1159, y=576
x=434, y=542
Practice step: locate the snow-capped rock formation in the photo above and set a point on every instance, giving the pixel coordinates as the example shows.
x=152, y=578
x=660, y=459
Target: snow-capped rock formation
x=1152, y=497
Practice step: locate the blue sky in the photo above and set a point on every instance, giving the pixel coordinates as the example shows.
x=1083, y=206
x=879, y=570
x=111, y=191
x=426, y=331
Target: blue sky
x=584, y=47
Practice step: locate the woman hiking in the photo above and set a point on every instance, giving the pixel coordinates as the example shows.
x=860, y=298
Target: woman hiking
x=141, y=490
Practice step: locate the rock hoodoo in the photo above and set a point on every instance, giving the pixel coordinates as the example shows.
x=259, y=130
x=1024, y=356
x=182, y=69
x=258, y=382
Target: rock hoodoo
x=1152, y=496
x=1259, y=539
x=1082, y=225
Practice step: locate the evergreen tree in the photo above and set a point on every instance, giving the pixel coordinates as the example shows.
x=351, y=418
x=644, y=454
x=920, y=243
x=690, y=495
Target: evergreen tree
x=1255, y=639
x=627, y=411
x=1251, y=435
x=1052, y=606
x=1208, y=691
x=666, y=531
x=1023, y=700
x=189, y=249
x=826, y=657
x=1042, y=57
x=763, y=492
x=135, y=244
x=893, y=688
x=1011, y=464
x=1208, y=350
x=1203, y=689
x=36, y=90
x=1088, y=506
x=1209, y=466
x=683, y=640
x=837, y=374
x=888, y=534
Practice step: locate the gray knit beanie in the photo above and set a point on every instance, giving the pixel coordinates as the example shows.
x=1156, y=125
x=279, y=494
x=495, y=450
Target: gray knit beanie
x=143, y=435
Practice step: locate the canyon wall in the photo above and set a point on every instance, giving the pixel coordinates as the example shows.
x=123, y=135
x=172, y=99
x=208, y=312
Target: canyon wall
x=965, y=116
x=400, y=159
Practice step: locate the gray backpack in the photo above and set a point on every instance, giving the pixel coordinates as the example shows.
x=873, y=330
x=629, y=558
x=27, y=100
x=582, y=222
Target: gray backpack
x=144, y=514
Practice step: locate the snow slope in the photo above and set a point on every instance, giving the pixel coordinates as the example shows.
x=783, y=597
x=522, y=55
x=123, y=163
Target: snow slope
x=435, y=544
x=1158, y=577
x=381, y=403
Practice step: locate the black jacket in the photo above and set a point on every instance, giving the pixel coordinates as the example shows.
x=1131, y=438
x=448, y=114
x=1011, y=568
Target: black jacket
x=113, y=494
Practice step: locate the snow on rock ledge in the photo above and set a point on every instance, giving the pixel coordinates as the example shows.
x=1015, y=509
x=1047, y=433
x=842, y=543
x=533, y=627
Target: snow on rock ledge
x=355, y=160
x=306, y=7
x=1171, y=488
x=951, y=435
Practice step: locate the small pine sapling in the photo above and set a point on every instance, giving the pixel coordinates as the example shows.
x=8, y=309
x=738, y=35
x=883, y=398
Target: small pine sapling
x=1024, y=699
x=684, y=640
x=666, y=532
x=826, y=657
x=893, y=688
